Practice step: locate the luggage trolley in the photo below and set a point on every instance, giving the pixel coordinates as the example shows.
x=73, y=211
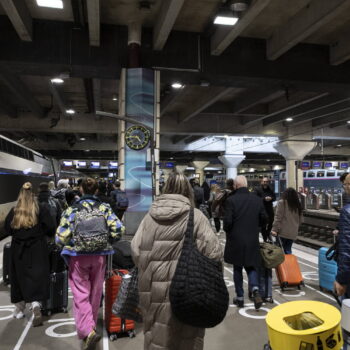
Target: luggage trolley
x=288, y=331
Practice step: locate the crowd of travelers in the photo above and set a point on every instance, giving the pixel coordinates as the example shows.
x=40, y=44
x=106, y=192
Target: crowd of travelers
x=62, y=215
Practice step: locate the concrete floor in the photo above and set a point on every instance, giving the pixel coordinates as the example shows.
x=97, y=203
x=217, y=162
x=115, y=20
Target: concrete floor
x=242, y=328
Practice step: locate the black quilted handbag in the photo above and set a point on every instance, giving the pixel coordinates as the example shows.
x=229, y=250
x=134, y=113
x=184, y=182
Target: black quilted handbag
x=198, y=293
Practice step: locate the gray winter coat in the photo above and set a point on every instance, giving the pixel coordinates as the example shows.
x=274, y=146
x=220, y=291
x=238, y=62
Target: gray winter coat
x=156, y=248
x=286, y=222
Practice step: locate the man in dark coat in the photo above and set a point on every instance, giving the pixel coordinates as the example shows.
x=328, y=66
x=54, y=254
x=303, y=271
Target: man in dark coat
x=244, y=213
x=268, y=196
x=198, y=193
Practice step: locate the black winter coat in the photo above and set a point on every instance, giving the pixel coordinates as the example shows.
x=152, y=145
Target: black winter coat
x=244, y=213
x=29, y=269
x=266, y=192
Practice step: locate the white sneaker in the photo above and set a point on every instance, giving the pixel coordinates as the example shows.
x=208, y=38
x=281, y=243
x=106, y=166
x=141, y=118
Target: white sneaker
x=37, y=317
x=18, y=313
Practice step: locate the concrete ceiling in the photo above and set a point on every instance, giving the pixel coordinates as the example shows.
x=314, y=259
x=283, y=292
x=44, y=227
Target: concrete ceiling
x=283, y=59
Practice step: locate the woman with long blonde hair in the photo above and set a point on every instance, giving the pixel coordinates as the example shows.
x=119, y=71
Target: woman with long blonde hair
x=28, y=223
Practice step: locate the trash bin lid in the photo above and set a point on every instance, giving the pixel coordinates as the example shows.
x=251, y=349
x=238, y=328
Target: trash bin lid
x=327, y=313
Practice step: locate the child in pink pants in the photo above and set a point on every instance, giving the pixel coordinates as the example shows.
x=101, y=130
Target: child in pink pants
x=86, y=276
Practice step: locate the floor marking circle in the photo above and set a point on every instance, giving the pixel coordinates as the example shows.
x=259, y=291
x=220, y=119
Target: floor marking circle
x=300, y=294
x=9, y=316
x=50, y=331
x=243, y=312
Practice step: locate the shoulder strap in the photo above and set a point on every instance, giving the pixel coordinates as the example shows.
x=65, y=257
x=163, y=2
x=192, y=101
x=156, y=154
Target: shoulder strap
x=189, y=230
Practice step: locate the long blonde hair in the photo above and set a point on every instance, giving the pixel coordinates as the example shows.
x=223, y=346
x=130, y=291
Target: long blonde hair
x=27, y=209
x=178, y=184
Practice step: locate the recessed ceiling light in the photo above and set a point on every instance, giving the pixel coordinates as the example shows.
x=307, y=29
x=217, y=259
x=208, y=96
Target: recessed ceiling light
x=70, y=111
x=57, y=81
x=289, y=119
x=56, y=4
x=87, y=150
x=176, y=85
x=171, y=158
x=339, y=145
x=226, y=18
x=115, y=98
x=82, y=139
x=348, y=121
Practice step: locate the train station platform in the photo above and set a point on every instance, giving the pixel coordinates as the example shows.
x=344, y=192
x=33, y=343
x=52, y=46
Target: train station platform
x=243, y=328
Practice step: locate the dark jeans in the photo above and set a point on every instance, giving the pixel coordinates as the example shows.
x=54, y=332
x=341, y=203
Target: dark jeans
x=266, y=230
x=287, y=245
x=217, y=224
x=253, y=279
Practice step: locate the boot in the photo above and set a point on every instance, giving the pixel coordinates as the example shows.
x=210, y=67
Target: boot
x=19, y=310
x=37, y=317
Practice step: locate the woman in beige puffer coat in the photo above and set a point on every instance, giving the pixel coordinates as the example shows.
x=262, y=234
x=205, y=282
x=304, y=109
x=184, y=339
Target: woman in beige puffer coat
x=156, y=248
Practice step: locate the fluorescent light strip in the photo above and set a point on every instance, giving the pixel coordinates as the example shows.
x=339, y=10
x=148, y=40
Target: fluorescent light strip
x=56, y=4
x=227, y=21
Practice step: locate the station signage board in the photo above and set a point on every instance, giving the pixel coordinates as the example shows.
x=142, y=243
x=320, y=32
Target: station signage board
x=317, y=164
x=328, y=165
x=305, y=165
x=81, y=164
x=344, y=165
x=94, y=165
x=67, y=164
x=113, y=165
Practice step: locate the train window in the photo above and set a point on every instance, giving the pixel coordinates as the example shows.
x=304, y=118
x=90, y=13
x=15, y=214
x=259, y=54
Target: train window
x=31, y=156
x=304, y=173
x=310, y=174
x=320, y=174
x=330, y=173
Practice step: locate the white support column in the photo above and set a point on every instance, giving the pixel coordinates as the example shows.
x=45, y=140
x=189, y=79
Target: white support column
x=121, y=132
x=294, y=151
x=199, y=169
x=181, y=168
x=231, y=162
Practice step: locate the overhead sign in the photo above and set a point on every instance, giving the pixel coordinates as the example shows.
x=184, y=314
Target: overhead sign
x=344, y=165
x=95, y=165
x=81, y=164
x=305, y=165
x=317, y=165
x=113, y=165
x=67, y=163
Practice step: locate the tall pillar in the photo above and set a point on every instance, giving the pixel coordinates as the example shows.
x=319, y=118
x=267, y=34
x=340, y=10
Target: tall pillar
x=181, y=168
x=231, y=162
x=199, y=169
x=134, y=44
x=294, y=151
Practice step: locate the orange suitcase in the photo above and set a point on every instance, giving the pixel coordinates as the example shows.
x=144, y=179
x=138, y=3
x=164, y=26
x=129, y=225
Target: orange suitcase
x=116, y=325
x=288, y=273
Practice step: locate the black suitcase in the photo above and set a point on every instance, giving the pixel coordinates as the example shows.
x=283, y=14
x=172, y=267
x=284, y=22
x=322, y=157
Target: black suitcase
x=58, y=300
x=122, y=255
x=57, y=263
x=6, y=263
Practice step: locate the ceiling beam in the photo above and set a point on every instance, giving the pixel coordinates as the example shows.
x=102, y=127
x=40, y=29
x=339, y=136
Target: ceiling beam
x=339, y=52
x=168, y=13
x=89, y=94
x=340, y=116
x=93, y=11
x=300, y=108
x=78, y=13
x=177, y=138
x=20, y=18
x=97, y=96
x=190, y=139
x=207, y=98
x=340, y=123
x=59, y=99
x=223, y=37
x=16, y=86
x=307, y=21
x=170, y=98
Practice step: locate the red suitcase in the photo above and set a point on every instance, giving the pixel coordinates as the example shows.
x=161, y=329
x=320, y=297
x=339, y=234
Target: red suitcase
x=116, y=325
x=288, y=273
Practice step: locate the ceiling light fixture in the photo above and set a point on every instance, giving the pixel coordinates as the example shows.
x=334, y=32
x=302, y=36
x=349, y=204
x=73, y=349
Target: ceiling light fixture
x=82, y=139
x=176, y=85
x=289, y=119
x=57, y=81
x=115, y=98
x=339, y=145
x=70, y=111
x=87, y=150
x=226, y=18
x=348, y=121
x=56, y=4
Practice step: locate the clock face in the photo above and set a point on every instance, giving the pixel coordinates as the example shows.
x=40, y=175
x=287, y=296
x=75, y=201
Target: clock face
x=137, y=137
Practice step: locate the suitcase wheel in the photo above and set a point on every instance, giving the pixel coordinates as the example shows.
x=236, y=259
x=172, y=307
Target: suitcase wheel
x=131, y=334
x=299, y=287
x=267, y=347
x=113, y=337
x=64, y=310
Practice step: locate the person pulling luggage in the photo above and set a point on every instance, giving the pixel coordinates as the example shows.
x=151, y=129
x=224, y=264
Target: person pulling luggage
x=29, y=222
x=85, y=232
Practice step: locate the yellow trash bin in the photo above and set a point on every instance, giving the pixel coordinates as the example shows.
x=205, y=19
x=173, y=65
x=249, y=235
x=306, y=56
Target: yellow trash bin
x=304, y=325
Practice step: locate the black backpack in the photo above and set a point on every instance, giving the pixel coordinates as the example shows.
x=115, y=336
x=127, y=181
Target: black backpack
x=121, y=200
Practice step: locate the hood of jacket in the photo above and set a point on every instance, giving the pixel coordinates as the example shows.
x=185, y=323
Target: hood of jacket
x=43, y=196
x=169, y=207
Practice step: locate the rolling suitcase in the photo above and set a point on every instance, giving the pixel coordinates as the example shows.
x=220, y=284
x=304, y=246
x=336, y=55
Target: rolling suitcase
x=6, y=263
x=327, y=270
x=288, y=273
x=58, y=299
x=115, y=325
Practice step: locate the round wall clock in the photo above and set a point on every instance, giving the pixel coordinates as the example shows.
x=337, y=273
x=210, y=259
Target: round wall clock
x=137, y=137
